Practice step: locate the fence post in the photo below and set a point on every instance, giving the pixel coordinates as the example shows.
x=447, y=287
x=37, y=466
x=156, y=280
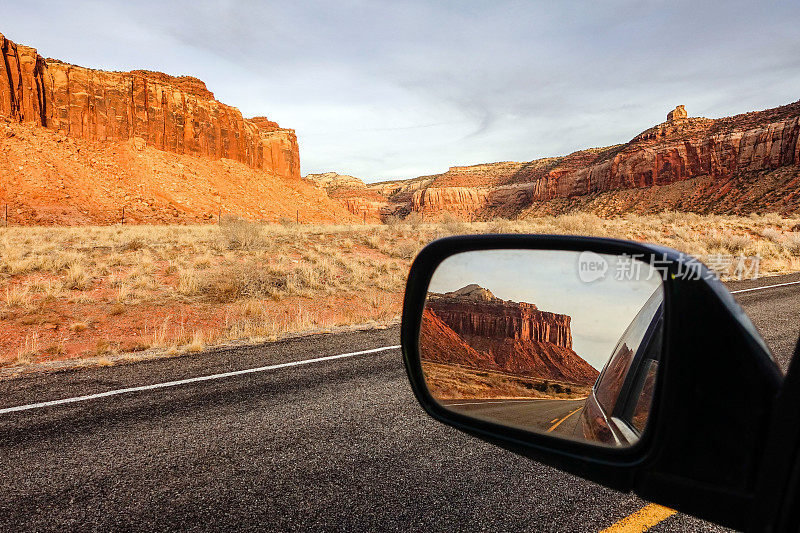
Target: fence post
x=123, y=215
x=297, y=216
x=219, y=216
x=6, y=215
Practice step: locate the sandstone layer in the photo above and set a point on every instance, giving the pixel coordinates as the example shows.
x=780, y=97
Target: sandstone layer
x=513, y=337
x=175, y=114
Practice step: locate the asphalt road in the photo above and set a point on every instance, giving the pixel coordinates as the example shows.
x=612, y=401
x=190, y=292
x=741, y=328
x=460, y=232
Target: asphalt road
x=553, y=416
x=334, y=445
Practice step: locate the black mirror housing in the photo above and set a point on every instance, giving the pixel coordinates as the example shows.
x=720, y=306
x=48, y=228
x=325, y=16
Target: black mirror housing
x=716, y=385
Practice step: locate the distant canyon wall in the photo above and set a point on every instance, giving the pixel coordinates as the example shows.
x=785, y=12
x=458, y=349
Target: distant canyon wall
x=174, y=114
x=744, y=163
x=678, y=151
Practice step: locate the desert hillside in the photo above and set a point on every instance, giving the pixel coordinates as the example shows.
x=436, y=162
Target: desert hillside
x=77, y=145
x=48, y=178
x=734, y=165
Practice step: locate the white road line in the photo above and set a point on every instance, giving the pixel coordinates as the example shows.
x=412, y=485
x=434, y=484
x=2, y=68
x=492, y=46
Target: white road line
x=190, y=380
x=766, y=287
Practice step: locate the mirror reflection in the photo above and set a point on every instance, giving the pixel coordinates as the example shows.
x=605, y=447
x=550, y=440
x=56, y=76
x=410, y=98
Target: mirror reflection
x=556, y=342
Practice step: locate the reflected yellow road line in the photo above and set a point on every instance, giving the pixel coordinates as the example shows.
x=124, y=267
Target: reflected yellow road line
x=554, y=426
x=641, y=520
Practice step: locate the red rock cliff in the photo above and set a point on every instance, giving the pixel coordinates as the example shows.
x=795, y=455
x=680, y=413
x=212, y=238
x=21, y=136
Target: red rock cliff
x=518, y=321
x=175, y=114
x=456, y=200
x=513, y=337
x=691, y=147
x=744, y=163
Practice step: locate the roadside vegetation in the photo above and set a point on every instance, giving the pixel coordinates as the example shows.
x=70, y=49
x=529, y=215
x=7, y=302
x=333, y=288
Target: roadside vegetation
x=103, y=291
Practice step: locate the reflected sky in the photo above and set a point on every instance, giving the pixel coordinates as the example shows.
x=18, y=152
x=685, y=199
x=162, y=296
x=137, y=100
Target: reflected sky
x=600, y=310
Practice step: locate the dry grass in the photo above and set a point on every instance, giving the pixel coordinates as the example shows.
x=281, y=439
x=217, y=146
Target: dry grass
x=196, y=344
x=182, y=288
x=454, y=382
x=18, y=296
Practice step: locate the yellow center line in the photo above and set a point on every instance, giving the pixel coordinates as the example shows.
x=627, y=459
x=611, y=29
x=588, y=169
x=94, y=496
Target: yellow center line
x=554, y=426
x=641, y=520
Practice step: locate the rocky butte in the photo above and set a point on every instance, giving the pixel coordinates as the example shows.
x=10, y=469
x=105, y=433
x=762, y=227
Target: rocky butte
x=513, y=337
x=740, y=164
x=175, y=114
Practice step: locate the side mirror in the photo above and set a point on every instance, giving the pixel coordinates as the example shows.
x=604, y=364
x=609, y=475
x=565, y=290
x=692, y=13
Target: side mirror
x=626, y=364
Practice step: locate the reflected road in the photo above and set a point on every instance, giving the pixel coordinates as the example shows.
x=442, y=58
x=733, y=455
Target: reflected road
x=543, y=415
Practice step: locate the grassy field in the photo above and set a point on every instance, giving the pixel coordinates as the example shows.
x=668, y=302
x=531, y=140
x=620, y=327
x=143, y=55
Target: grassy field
x=99, y=292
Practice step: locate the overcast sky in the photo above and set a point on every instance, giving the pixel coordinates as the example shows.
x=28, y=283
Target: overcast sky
x=400, y=89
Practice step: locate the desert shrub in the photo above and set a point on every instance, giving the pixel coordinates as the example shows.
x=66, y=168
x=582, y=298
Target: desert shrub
x=392, y=221
x=793, y=245
x=772, y=218
x=580, y=224
x=725, y=242
x=240, y=234
x=414, y=219
x=451, y=224
x=133, y=245
x=187, y=282
x=500, y=225
x=372, y=241
x=738, y=243
x=76, y=277
x=19, y=296
x=197, y=342
x=675, y=217
x=77, y=327
x=245, y=280
x=772, y=234
x=406, y=250
x=542, y=386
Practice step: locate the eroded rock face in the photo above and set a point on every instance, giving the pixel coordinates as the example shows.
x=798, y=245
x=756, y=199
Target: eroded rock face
x=724, y=157
x=175, y=114
x=677, y=114
x=440, y=344
x=665, y=155
x=457, y=200
x=514, y=337
x=331, y=181
x=495, y=319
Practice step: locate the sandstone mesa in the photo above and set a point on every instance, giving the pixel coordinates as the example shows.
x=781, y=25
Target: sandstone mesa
x=79, y=144
x=482, y=331
x=175, y=114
